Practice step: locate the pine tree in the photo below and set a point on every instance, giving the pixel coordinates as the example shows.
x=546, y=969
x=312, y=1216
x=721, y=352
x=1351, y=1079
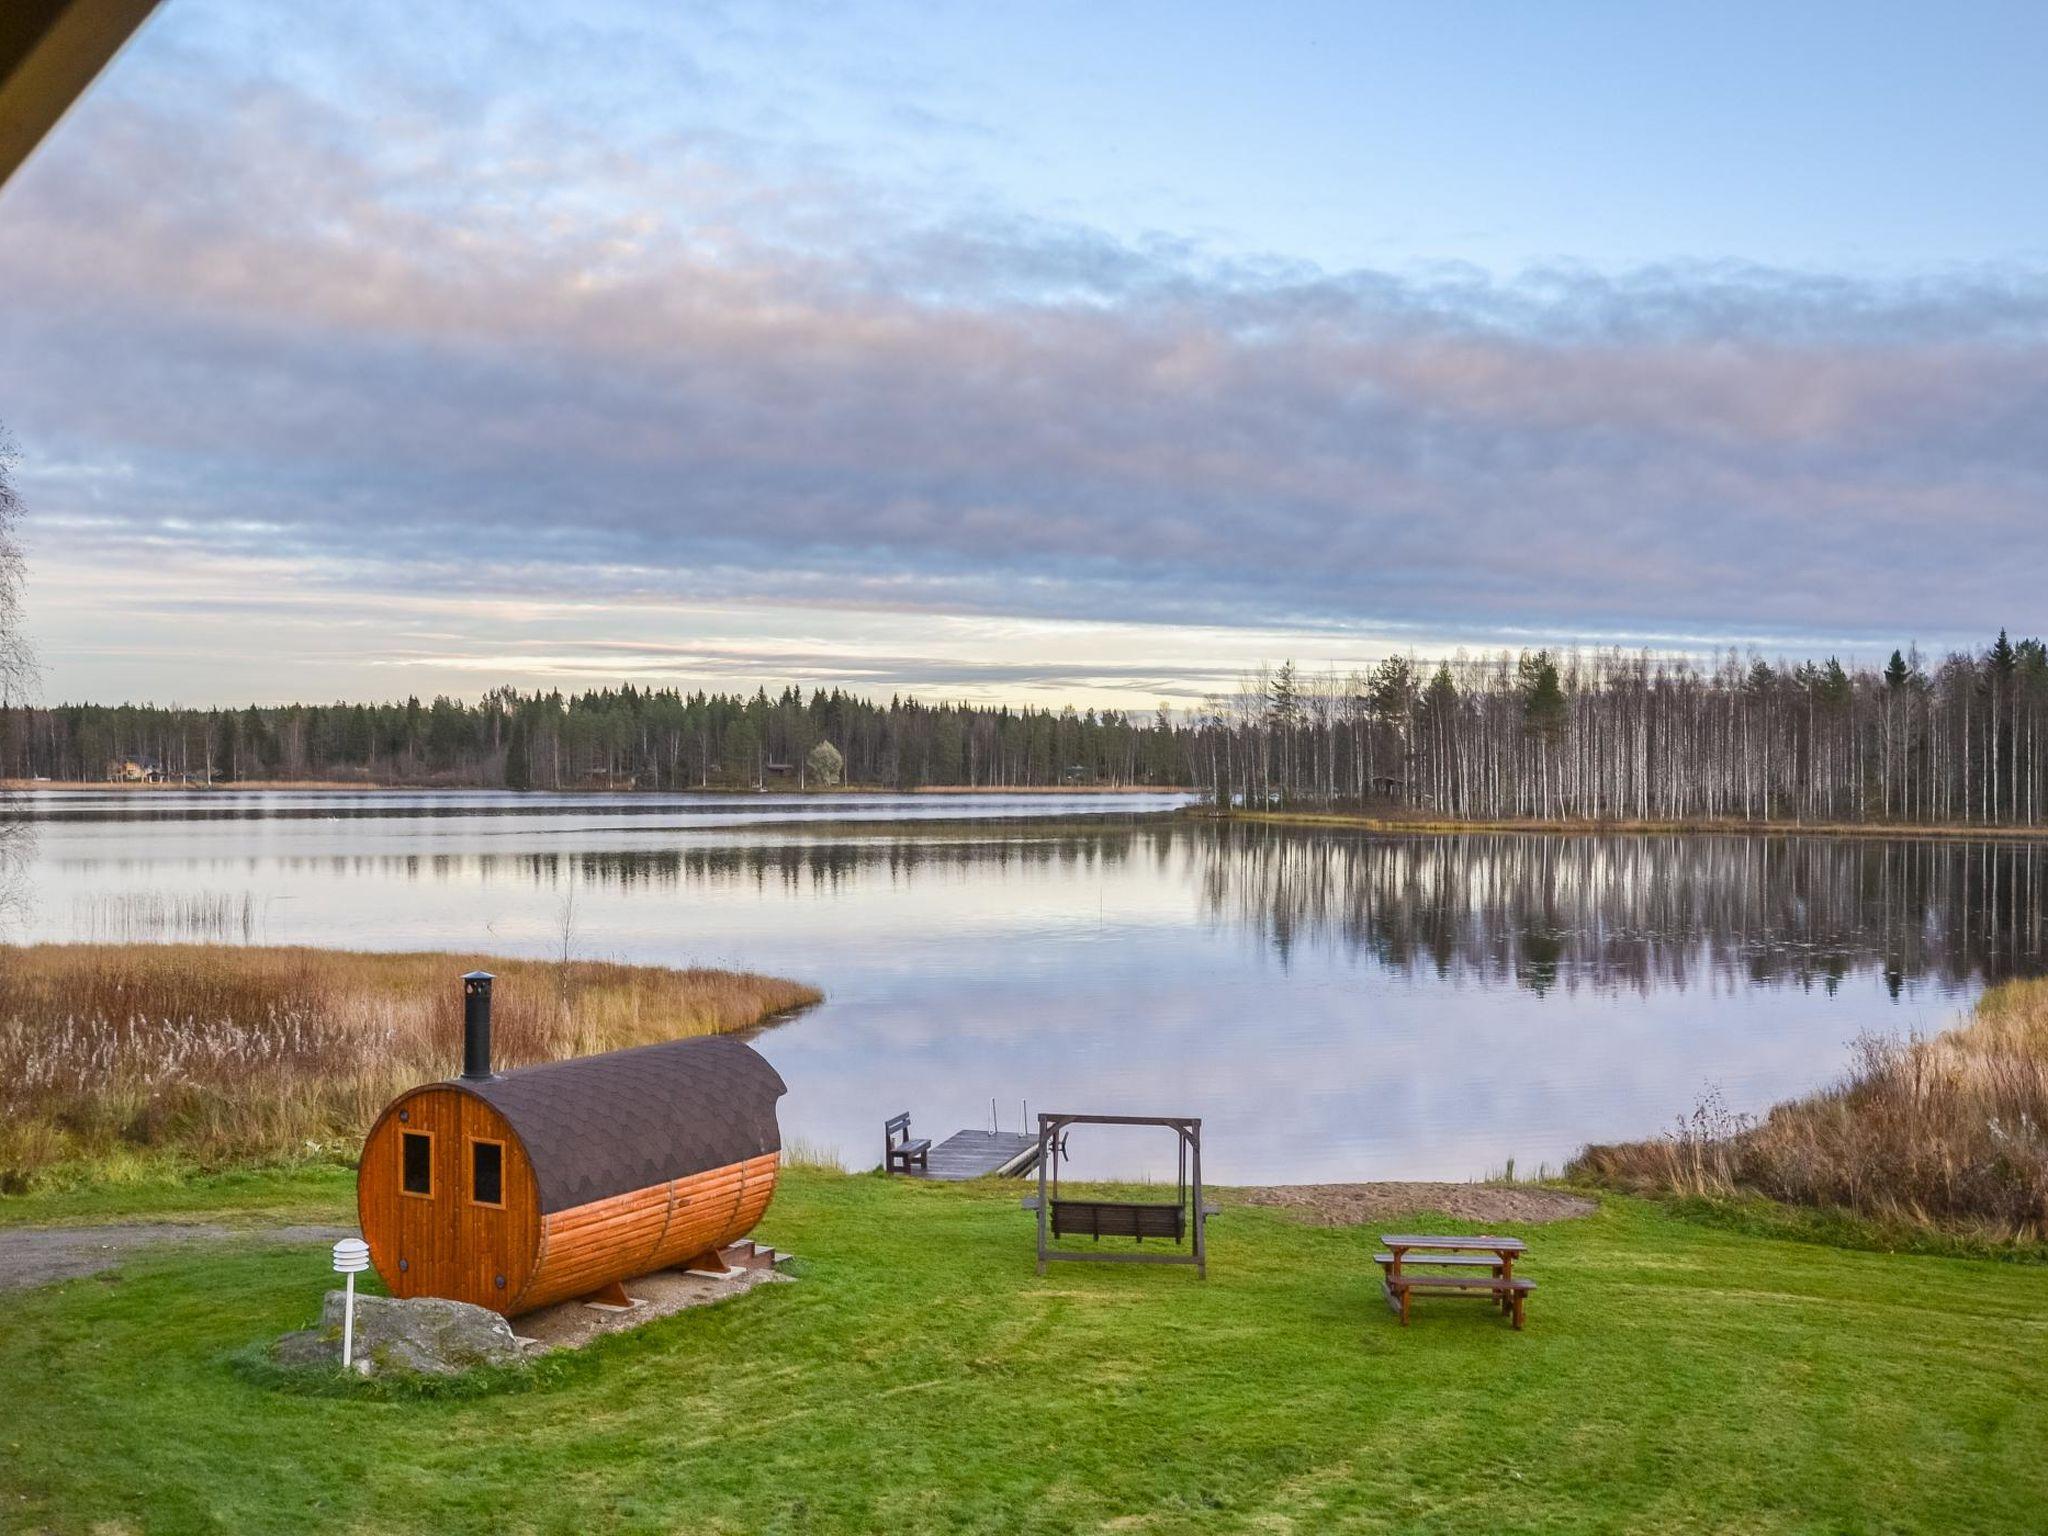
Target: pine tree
x=2001, y=658
x=1391, y=694
x=1283, y=699
x=519, y=755
x=1543, y=701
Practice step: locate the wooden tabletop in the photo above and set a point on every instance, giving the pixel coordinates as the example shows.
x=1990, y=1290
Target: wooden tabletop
x=1486, y=1244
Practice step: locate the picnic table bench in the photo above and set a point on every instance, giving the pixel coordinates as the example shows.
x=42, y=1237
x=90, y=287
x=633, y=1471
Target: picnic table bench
x=1496, y=1255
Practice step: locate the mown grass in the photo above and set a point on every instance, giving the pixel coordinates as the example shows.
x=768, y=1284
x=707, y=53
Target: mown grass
x=1948, y=1134
x=921, y=1378
x=267, y=1194
x=118, y=1061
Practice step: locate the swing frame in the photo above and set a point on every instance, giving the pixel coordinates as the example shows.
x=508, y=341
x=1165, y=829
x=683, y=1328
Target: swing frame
x=1060, y=1217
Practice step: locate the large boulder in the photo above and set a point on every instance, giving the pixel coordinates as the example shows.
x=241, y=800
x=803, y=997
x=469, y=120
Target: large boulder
x=425, y=1335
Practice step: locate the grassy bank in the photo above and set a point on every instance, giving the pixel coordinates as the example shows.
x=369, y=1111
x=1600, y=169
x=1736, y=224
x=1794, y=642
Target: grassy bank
x=119, y=1060
x=920, y=1378
x=1948, y=1133
x=1398, y=820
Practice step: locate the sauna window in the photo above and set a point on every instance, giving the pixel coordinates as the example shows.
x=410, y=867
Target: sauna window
x=487, y=1172
x=416, y=1162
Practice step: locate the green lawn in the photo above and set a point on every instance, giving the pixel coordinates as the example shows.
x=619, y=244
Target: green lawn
x=921, y=1377
x=317, y=1192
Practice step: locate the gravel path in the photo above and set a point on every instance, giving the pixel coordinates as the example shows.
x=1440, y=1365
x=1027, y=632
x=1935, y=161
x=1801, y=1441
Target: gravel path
x=31, y=1256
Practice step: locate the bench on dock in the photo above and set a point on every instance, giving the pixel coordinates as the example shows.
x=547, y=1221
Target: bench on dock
x=899, y=1151
x=1496, y=1255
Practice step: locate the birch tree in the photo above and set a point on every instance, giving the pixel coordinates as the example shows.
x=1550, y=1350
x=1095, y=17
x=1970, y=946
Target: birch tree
x=17, y=672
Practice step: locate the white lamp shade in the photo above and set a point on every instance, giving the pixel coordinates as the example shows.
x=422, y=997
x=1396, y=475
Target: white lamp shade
x=351, y=1256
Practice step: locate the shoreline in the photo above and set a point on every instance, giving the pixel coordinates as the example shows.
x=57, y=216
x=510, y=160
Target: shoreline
x=387, y=787
x=1354, y=821
x=1908, y=1138
x=1628, y=827
x=300, y=1043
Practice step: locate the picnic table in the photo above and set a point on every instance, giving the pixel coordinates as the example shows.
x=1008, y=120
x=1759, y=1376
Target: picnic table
x=1462, y=1257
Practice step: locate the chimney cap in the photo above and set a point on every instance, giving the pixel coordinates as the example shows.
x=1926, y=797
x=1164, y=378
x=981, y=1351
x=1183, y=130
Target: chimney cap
x=477, y=976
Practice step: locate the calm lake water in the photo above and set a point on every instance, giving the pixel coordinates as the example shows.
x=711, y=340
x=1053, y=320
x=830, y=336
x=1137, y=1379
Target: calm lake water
x=1335, y=1006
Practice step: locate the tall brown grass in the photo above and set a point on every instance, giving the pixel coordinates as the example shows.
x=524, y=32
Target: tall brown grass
x=124, y=1056
x=1949, y=1133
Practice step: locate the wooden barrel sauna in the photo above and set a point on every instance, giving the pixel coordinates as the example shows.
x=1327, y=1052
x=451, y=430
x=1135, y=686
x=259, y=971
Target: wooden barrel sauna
x=516, y=1190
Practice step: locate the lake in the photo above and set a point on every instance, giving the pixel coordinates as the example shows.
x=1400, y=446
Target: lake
x=1334, y=1005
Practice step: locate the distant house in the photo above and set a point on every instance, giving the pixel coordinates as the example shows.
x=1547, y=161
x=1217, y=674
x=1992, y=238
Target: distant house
x=136, y=770
x=1400, y=789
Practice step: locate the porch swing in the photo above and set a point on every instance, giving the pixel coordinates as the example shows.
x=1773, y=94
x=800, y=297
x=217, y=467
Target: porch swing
x=1066, y=1216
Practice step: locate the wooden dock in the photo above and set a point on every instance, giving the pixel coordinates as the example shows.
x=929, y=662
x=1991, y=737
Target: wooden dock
x=974, y=1154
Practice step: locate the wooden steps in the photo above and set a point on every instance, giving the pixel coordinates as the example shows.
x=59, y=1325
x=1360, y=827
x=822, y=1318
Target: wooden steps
x=748, y=1254
x=727, y=1263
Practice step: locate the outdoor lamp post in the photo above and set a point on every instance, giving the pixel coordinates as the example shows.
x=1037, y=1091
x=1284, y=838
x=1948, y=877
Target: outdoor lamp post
x=351, y=1258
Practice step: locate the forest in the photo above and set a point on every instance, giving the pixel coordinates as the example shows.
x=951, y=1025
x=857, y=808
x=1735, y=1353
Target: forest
x=1615, y=736
x=1537, y=735
x=625, y=738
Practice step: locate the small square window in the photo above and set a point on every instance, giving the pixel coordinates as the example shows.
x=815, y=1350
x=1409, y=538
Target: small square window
x=487, y=1172
x=416, y=1162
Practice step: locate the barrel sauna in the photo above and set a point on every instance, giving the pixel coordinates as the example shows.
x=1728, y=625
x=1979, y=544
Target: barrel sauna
x=515, y=1190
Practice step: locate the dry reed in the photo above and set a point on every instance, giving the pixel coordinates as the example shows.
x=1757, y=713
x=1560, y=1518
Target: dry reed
x=817, y=1156
x=149, y=917
x=1948, y=1133
x=140, y=1054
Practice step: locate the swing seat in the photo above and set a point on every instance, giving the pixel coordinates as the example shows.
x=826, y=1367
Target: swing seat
x=1118, y=1218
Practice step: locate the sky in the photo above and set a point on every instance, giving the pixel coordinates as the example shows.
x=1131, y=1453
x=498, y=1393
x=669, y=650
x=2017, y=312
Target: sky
x=1034, y=353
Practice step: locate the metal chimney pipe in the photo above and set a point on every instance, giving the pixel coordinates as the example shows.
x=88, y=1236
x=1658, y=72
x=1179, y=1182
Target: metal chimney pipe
x=476, y=1027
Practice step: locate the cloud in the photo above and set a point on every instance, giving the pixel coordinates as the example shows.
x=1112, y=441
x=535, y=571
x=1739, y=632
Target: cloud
x=247, y=316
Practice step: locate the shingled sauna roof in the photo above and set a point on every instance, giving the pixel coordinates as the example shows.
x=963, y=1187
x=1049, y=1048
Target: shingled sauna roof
x=599, y=1126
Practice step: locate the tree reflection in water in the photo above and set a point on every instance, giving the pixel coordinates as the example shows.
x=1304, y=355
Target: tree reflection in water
x=1636, y=912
